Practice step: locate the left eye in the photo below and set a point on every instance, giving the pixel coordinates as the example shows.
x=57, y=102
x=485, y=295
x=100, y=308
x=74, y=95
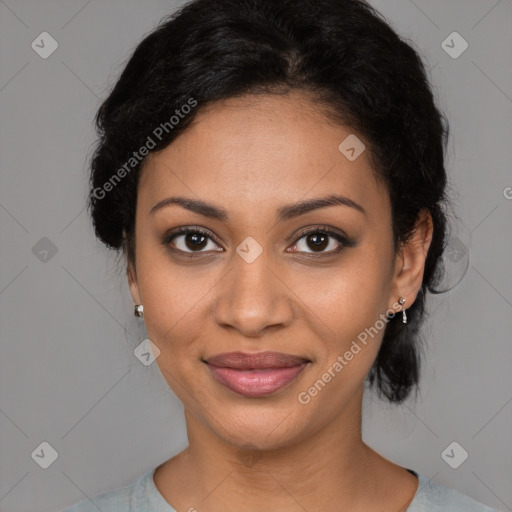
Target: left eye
x=319, y=242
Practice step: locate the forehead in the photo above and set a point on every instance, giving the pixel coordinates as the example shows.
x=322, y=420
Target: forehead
x=261, y=150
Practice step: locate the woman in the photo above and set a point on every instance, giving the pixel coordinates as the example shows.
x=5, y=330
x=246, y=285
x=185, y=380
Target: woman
x=273, y=173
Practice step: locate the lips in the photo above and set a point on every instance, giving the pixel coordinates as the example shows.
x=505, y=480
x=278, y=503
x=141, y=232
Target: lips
x=258, y=374
x=256, y=361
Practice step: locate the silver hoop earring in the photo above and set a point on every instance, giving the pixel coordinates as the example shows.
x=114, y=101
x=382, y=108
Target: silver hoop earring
x=138, y=310
x=401, y=301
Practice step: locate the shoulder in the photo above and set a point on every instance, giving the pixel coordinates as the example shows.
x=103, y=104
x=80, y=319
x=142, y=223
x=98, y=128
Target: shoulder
x=138, y=496
x=432, y=497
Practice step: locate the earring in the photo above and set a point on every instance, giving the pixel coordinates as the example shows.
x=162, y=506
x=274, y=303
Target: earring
x=404, y=315
x=139, y=310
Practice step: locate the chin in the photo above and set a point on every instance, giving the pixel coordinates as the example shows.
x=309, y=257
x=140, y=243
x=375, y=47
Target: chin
x=263, y=428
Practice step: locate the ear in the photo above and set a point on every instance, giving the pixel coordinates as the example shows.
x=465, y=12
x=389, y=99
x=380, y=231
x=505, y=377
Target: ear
x=410, y=261
x=131, y=271
x=132, y=283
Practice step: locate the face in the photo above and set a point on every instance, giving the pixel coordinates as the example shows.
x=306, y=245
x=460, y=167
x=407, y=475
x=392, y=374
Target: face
x=259, y=273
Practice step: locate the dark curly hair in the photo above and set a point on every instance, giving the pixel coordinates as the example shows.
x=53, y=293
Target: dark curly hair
x=346, y=57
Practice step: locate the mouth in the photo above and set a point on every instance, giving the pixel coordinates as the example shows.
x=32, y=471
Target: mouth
x=257, y=374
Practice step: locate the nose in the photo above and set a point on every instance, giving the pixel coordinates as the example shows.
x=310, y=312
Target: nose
x=253, y=299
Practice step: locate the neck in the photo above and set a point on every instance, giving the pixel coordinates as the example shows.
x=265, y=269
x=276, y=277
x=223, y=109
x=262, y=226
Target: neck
x=333, y=461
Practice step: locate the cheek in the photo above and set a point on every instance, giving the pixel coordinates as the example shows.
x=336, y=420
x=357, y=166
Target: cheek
x=173, y=301
x=178, y=317
x=347, y=298
x=346, y=311
x=174, y=305
x=168, y=291
x=349, y=328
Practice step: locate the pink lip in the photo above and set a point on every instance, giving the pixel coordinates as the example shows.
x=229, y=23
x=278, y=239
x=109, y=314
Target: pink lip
x=255, y=375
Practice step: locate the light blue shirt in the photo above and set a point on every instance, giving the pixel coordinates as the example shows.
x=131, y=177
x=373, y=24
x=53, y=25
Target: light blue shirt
x=143, y=496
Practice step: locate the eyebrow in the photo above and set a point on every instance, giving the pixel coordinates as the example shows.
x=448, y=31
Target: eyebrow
x=286, y=212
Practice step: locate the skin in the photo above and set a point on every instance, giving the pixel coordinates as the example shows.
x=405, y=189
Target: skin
x=251, y=156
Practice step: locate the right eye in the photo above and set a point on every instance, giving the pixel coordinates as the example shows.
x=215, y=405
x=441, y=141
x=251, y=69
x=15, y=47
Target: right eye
x=191, y=240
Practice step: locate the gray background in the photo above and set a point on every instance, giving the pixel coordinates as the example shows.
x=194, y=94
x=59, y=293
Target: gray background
x=68, y=375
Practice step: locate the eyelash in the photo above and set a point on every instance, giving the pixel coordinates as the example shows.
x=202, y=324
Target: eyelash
x=321, y=230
